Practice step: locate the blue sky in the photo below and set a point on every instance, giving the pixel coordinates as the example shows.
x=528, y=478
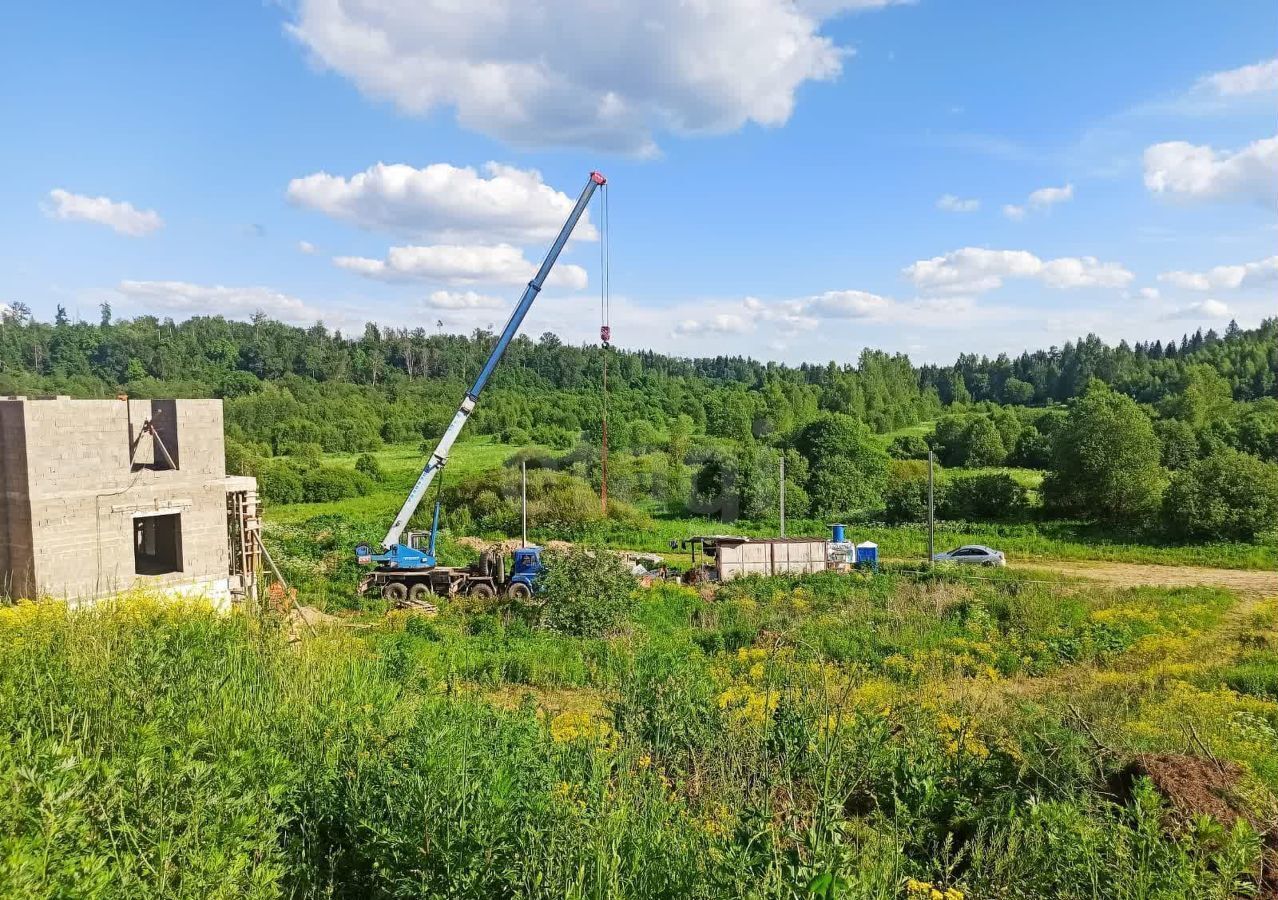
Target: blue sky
x=789, y=179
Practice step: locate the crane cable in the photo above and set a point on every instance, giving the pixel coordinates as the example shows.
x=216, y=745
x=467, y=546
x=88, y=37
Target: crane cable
x=605, y=337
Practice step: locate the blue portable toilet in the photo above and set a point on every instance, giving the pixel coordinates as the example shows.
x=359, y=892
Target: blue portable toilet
x=867, y=555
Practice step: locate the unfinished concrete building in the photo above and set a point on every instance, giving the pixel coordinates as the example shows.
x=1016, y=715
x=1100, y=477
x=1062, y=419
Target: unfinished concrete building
x=101, y=496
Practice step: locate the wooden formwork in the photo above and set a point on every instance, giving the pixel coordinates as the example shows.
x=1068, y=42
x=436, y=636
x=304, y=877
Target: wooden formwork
x=243, y=531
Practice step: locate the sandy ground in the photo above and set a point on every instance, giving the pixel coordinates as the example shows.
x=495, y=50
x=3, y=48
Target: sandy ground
x=1244, y=581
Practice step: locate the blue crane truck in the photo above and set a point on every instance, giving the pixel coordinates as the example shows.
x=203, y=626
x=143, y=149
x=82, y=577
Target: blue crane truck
x=407, y=570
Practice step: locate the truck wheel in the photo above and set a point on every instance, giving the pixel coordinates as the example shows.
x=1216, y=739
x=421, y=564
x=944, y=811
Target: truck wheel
x=395, y=591
x=482, y=591
x=519, y=591
x=418, y=593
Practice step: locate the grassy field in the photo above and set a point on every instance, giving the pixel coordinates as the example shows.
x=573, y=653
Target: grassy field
x=305, y=531
x=875, y=736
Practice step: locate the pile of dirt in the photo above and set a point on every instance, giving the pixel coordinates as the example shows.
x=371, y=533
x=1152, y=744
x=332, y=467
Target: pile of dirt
x=307, y=619
x=479, y=544
x=1195, y=786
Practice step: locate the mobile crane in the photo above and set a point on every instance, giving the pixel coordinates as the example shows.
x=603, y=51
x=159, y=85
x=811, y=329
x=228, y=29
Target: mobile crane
x=407, y=570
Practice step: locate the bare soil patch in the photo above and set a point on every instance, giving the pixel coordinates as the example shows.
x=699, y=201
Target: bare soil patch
x=1243, y=581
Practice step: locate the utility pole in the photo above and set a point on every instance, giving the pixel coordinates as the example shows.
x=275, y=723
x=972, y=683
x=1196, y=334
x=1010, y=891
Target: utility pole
x=782, y=493
x=523, y=502
x=931, y=513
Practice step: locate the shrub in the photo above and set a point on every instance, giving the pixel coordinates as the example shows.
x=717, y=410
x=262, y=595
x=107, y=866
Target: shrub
x=908, y=446
x=983, y=443
x=325, y=483
x=1033, y=449
x=280, y=483
x=304, y=451
x=368, y=466
x=241, y=459
x=516, y=435
x=991, y=496
x=906, y=500
x=1227, y=495
x=587, y=593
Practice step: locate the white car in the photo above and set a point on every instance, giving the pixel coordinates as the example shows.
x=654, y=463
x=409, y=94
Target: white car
x=973, y=554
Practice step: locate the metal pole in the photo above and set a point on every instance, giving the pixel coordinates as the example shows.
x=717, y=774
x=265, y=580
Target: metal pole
x=782, y=493
x=931, y=515
x=523, y=503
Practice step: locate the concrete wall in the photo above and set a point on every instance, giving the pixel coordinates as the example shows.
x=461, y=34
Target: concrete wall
x=91, y=472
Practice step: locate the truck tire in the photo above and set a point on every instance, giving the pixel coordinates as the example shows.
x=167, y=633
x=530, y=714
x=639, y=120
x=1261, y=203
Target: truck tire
x=419, y=593
x=396, y=591
x=519, y=591
x=482, y=591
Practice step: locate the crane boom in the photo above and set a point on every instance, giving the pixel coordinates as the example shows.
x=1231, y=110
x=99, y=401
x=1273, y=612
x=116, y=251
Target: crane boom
x=439, y=457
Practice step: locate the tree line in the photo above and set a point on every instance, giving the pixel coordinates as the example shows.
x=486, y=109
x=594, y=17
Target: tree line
x=703, y=435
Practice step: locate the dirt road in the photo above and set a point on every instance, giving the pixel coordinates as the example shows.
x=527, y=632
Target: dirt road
x=1244, y=581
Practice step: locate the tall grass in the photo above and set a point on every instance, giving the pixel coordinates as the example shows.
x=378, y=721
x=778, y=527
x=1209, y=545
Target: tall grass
x=789, y=738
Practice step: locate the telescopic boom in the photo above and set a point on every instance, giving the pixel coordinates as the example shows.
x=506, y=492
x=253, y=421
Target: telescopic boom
x=440, y=455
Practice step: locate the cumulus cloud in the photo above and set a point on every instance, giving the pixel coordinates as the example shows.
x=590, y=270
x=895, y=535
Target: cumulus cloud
x=721, y=323
x=975, y=270
x=1197, y=172
x=1043, y=198
x=181, y=299
x=952, y=203
x=1050, y=196
x=608, y=76
x=847, y=305
x=787, y=319
x=305, y=247
x=444, y=202
x=460, y=264
x=462, y=300
x=1218, y=278
x=1149, y=293
x=1261, y=76
x=120, y=216
x=1203, y=309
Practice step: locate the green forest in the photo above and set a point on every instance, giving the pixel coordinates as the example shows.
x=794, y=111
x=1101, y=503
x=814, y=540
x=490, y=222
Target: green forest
x=1169, y=441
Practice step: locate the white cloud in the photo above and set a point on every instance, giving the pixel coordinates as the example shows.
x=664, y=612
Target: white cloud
x=721, y=323
x=460, y=264
x=1244, y=275
x=182, y=299
x=305, y=247
x=975, y=270
x=607, y=76
x=847, y=305
x=1197, y=172
x=1050, y=196
x=120, y=216
x=952, y=203
x=1203, y=309
x=1043, y=198
x=444, y=202
x=462, y=300
x=1149, y=293
x=1261, y=76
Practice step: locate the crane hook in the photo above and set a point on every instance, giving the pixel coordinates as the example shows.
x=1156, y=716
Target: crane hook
x=605, y=335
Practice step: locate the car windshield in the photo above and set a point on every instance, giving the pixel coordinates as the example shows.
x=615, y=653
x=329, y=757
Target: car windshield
x=954, y=551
